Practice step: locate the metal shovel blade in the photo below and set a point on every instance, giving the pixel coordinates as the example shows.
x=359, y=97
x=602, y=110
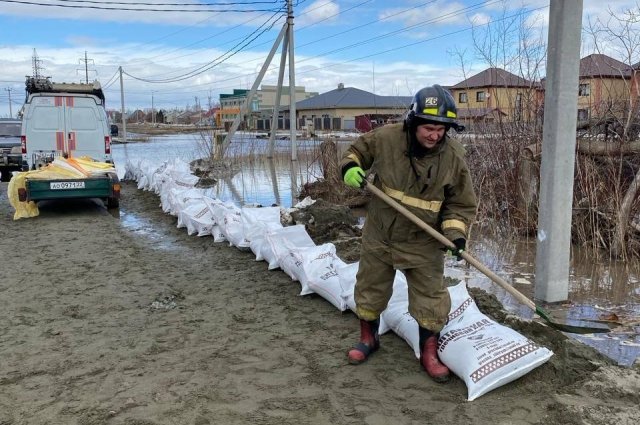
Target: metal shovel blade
x=572, y=325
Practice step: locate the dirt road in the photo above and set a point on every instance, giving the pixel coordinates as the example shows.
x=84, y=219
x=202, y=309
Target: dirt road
x=105, y=323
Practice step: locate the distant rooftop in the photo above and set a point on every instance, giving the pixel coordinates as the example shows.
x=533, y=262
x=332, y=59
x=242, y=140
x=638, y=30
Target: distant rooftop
x=598, y=65
x=493, y=77
x=351, y=97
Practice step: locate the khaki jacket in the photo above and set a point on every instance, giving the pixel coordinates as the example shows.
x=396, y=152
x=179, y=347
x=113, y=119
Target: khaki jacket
x=442, y=195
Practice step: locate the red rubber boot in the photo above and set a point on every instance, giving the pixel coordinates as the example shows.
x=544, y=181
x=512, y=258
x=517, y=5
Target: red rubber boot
x=369, y=342
x=430, y=361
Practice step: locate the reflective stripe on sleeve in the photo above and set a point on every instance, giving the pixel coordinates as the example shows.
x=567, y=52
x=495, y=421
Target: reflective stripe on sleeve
x=355, y=159
x=454, y=224
x=411, y=201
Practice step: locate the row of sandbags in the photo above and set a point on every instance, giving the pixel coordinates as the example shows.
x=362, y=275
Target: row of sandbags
x=480, y=351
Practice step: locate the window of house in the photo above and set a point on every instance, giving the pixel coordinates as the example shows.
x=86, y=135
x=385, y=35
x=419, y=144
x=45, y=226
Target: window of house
x=583, y=114
x=480, y=96
x=462, y=97
x=583, y=90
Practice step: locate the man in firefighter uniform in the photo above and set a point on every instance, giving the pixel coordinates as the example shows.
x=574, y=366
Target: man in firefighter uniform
x=420, y=166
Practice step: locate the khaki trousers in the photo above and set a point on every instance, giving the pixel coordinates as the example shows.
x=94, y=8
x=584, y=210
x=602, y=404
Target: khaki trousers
x=429, y=301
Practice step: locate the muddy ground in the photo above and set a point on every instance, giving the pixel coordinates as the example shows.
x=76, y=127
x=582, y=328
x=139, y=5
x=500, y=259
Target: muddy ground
x=128, y=320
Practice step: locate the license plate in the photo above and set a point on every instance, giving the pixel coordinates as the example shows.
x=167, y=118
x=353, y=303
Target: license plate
x=66, y=185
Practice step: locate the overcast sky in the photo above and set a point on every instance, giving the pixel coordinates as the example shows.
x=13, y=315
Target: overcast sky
x=188, y=49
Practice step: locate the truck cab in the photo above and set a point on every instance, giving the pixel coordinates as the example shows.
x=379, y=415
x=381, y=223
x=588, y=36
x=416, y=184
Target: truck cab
x=10, y=148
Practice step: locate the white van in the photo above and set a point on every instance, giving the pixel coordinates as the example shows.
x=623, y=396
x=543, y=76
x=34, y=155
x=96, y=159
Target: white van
x=64, y=119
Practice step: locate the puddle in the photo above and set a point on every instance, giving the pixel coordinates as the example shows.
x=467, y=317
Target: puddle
x=594, y=296
x=596, y=288
x=156, y=237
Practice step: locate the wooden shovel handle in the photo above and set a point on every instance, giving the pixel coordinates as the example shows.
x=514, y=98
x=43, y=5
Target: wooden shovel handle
x=446, y=242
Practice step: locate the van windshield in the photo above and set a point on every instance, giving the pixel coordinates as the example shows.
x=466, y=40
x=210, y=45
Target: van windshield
x=9, y=129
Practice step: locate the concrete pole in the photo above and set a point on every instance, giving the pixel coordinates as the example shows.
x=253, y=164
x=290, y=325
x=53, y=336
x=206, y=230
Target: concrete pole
x=276, y=104
x=245, y=106
x=293, y=122
x=86, y=68
x=558, y=151
x=124, y=118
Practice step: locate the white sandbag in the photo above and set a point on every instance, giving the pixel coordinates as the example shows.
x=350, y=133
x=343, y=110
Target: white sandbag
x=216, y=232
x=316, y=269
x=218, y=211
x=483, y=353
x=255, y=222
x=197, y=217
x=327, y=284
x=232, y=229
x=281, y=240
x=216, y=229
x=396, y=316
x=347, y=276
x=179, y=199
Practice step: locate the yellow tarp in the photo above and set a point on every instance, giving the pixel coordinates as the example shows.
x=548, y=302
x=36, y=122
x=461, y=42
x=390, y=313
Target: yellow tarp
x=60, y=168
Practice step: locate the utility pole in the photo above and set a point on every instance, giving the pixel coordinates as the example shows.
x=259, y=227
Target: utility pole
x=8, y=89
x=86, y=67
x=293, y=121
x=153, y=114
x=558, y=151
x=122, y=113
x=36, y=64
x=286, y=38
x=276, y=105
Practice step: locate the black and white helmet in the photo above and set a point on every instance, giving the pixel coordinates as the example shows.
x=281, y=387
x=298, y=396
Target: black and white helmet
x=433, y=104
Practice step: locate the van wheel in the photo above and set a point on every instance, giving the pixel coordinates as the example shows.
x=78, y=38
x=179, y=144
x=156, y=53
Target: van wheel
x=113, y=203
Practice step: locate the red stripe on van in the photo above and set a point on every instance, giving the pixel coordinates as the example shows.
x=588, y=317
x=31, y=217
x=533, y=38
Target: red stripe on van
x=69, y=101
x=72, y=141
x=59, y=140
x=58, y=101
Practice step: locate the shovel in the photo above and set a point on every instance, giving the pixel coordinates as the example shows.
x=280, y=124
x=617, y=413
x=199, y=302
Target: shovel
x=576, y=326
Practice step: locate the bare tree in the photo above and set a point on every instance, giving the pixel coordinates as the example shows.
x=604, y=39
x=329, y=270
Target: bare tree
x=619, y=36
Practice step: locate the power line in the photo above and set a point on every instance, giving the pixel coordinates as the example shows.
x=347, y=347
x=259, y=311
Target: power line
x=324, y=38
x=241, y=3
x=439, y=18
x=230, y=29
x=392, y=49
x=130, y=9
x=109, y=81
x=461, y=11
x=458, y=12
x=207, y=38
x=217, y=60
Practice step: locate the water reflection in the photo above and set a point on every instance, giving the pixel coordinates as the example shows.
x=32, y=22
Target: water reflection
x=597, y=287
x=260, y=180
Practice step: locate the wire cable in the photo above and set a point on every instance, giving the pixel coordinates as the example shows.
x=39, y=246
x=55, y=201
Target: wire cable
x=242, y=3
x=457, y=12
x=218, y=59
x=230, y=29
x=393, y=49
x=130, y=9
x=109, y=82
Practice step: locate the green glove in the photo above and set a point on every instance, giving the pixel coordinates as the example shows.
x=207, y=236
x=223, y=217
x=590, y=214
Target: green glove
x=354, y=177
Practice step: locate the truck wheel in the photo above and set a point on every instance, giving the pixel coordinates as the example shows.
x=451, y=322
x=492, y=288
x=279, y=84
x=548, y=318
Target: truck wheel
x=113, y=203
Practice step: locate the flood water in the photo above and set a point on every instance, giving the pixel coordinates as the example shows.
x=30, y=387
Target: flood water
x=598, y=289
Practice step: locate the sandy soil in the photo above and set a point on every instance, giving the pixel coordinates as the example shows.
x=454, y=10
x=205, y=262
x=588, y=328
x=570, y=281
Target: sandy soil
x=141, y=324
